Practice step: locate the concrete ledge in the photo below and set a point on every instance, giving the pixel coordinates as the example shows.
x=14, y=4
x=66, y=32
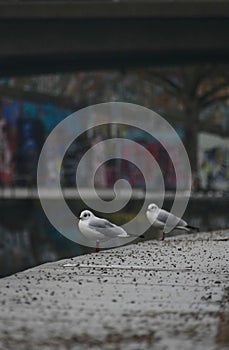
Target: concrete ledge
x=151, y=295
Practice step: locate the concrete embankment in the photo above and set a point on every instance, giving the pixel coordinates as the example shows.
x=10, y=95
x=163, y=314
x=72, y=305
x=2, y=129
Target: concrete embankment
x=150, y=295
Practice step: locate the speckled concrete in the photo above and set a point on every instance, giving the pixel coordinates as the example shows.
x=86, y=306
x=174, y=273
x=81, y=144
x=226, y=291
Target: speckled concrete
x=165, y=295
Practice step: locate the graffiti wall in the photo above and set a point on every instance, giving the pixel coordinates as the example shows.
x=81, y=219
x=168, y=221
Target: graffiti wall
x=23, y=129
x=214, y=162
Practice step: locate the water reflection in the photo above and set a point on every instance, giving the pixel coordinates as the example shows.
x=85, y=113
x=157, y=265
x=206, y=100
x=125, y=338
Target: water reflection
x=28, y=239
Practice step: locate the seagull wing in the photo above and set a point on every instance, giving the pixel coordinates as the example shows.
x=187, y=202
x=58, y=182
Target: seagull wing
x=171, y=220
x=106, y=228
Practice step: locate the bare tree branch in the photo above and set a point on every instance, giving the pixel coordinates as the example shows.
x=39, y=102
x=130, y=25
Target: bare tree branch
x=213, y=129
x=6, y=91
x=205, y=97
x=214, y=101
x=170, y=86
x=166, y=80
x=201, y=74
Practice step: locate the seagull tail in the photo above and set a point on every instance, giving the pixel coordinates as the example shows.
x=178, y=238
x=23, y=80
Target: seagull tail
x=136, y=236
x=186, y=228
x=128, y=235
x=197, y=229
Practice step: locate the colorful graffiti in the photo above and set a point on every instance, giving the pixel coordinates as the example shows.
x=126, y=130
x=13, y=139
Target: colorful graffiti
x=213, y=162
x=23, y=129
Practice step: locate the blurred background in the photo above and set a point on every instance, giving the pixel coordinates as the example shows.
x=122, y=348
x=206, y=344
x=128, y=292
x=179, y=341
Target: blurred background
x=60, y=56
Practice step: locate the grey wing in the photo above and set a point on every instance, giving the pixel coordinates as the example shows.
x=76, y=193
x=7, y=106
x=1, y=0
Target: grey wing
x=100, y=223
x=105, y=227
x=163, y=216
x=173, y=220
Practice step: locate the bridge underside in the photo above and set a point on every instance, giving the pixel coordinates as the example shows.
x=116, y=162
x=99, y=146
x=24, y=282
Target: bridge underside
x=36, y=41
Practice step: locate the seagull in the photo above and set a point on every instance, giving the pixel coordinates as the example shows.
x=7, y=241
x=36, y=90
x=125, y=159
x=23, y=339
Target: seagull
x=98, y=229
x=161, y=219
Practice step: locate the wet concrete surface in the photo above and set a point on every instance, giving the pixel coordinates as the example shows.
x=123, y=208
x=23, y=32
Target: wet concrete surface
x=151, y=295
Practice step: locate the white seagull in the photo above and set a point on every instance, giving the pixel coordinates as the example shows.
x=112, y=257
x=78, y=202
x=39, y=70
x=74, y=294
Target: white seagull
x=160, y=219
x=98, y=229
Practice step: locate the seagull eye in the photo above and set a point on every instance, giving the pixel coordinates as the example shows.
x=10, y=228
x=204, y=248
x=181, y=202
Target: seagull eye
x=85, y=215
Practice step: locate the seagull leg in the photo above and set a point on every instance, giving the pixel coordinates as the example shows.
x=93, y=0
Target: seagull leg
x=97, y=246
x=163, y=236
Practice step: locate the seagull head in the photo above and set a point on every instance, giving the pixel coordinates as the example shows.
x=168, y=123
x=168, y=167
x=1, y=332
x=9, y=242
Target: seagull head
x=86, y=215
x=152, y=208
